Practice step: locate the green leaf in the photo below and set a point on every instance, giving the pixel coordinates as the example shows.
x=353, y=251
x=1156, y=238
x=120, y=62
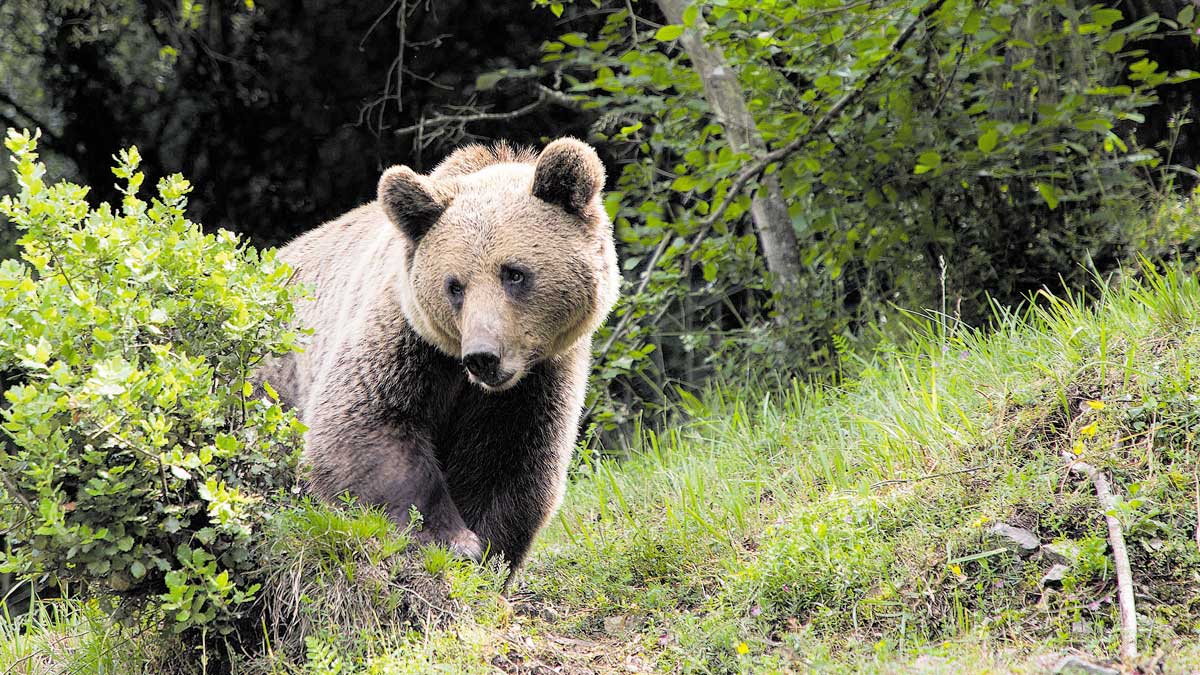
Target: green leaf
x=39, y=353
x=988, y=140
x=971, y=25
x=488, y=81
x=556, y=8
x=1113, y=43
x=669, y=32
x=1049, y=193
x=927, y=161
x=1107, y=16
x=574, y=39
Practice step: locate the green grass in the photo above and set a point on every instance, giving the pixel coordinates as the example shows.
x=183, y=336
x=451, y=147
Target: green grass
x=59, y=632
x=838, y=529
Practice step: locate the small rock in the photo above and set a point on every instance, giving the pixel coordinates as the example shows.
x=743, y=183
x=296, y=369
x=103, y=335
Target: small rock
x=1025, y=542
x=536, y=610
x=1061, y=552
x=1073, y=665
x=614, y=625
x=1055, y=575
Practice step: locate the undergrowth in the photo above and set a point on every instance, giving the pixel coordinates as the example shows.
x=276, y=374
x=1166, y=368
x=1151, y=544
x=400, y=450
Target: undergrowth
x=800, y=527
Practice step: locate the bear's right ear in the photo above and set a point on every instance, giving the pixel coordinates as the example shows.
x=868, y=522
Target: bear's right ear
x=411, y=201
x=568, y=173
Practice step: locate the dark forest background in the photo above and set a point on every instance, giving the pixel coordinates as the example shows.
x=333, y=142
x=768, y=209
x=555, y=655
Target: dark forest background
x=984, y=149
x=282, y=114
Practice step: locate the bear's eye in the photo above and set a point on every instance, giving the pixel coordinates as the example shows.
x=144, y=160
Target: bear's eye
x=454, y=289
x=513, y=276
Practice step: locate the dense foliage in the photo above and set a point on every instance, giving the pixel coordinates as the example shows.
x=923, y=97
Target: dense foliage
x=930, y=156
x=282, y=114
x=137, y=457
x=939, y=155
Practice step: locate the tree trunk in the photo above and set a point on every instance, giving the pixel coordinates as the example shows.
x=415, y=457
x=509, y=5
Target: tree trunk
x=724, y=93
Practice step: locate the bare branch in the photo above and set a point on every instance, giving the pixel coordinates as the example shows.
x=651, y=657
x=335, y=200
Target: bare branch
x=632, y=22
x=943, y=474
x=16, y=493
x=645, y=281
x=22, y=111
x=545, y=95
x=1116, y=541
x=758, y=166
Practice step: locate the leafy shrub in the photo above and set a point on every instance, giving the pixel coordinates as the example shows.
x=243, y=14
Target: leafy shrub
x=992, y=154
x=137, y=458
x=1172, y=233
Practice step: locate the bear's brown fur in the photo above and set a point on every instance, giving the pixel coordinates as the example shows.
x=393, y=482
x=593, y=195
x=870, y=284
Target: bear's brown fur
x=500, y=259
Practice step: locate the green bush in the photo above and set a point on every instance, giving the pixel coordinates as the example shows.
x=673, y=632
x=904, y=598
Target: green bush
x=136, y=457
x=992, y=154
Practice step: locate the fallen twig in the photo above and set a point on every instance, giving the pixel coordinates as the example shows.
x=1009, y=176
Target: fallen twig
x=1197, y=535
x=898, y=481
x=1116, y=541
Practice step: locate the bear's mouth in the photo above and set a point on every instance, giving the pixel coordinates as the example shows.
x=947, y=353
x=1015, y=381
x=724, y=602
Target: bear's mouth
x=498, y=381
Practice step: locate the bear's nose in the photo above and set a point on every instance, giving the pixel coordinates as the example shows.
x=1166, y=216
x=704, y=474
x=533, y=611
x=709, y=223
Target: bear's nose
x=483, y=365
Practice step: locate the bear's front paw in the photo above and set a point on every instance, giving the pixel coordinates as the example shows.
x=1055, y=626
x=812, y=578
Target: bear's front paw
x=467, y=544
x=462, y=543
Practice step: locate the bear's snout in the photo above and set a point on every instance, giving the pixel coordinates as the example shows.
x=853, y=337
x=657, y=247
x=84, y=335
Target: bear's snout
x=485, y=364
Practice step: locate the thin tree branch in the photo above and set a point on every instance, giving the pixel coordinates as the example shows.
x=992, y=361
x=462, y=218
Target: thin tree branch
x=1116, y=541
x=645, y=281
x=633, y=19
x=758, y=166
x=7, y=100
x=545, y=95
x=16, y=493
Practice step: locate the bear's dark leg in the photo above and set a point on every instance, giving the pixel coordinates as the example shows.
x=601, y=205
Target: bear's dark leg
x=509, y=523
x=505, y=460
x=390, y=467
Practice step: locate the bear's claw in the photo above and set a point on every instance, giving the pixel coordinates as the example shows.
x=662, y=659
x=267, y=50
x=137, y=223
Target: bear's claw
x=468, y=545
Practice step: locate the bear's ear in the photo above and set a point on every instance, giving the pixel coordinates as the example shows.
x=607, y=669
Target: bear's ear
x=411, y=201
x=568, y=174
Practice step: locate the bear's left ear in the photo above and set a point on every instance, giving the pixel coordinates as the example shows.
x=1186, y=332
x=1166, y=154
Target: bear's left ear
x=411, y=201
x=568, y=174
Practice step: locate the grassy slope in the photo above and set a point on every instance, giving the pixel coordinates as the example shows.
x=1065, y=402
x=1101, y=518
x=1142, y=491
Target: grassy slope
x=846, y=529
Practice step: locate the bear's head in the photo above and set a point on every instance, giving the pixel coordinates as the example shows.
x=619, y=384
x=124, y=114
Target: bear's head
x=509, y=256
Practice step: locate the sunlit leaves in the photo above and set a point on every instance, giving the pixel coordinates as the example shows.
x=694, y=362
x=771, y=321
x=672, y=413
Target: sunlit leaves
x=993, y=116
x=131, y=336
x=668, y=33
x=927, y=161
x=988, y=140
x=1049, y=193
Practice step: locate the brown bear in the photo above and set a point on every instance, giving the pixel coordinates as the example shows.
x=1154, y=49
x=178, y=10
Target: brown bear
x=452, y=325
